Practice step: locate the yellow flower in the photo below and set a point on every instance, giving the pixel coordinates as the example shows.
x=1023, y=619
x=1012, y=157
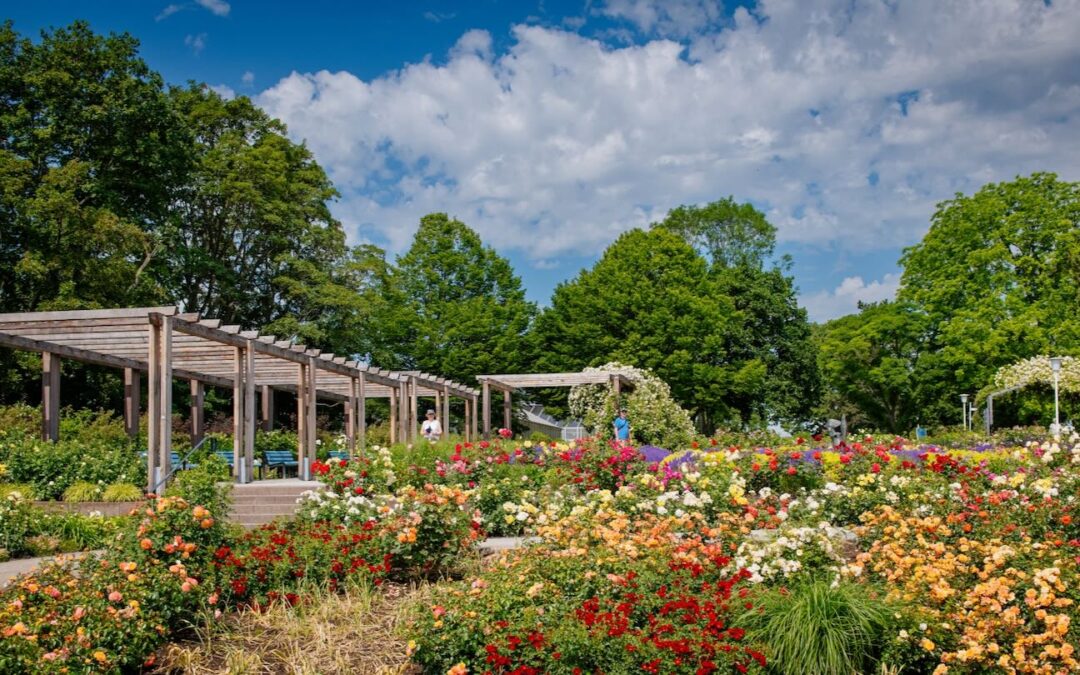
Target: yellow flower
x=458, y=669
x=100, y=657
x=927, y=644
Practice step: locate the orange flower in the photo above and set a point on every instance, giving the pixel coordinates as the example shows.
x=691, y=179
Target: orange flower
x=146, y=544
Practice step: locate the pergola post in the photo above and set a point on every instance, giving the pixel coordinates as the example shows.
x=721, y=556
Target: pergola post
x=312, y=418
x=350, y=417
x=446, y=411
x=616, y=384
x=248, y=473
x=361, y=412
x=131, y=403
x=50, y=396
x=507, y=411
x=165, y=398
x=301, y=411
x=414, y=414
x=266, y=401
x=153, y=415
x=486, y=389
x=403, y=412
x=465, y=420
x=394, y=425
x=474, y=432
x=238, y=411
x=198, y=394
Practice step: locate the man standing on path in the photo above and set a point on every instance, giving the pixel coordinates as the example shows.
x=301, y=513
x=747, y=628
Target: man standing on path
x=622, y=427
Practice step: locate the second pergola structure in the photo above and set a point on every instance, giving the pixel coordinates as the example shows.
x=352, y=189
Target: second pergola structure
x=168, y=345
x=508, y=384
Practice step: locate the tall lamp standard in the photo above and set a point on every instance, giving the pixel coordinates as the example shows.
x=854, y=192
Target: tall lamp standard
x=964, y=410
x=1055, y=366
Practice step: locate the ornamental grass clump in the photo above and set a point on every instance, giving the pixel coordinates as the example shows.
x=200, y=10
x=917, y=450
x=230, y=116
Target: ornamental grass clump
x=818, y=627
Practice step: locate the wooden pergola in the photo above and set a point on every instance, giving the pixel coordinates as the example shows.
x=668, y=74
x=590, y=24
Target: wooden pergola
x=168, y=345
x=507, y=384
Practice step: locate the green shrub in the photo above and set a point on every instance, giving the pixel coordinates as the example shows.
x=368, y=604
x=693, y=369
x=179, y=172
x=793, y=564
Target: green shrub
x=42, y=545
x=816, y=628
x=79, y=532
x=123, y=492
x=205, y=485
x=17, y=519
x=20, y=490
x=82, y=491
x=53, y=467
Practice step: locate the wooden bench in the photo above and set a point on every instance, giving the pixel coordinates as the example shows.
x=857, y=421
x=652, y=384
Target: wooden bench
x=283, y=458
x=339, y=454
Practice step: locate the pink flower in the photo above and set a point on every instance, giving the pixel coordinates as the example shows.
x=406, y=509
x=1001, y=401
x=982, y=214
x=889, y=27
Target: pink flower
x=115, y=596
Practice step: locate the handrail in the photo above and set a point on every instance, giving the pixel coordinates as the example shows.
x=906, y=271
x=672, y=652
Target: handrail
x=184, y=459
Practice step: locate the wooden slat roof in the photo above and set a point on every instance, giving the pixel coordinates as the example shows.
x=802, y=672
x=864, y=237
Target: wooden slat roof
x=202, y=349
x=532, y=380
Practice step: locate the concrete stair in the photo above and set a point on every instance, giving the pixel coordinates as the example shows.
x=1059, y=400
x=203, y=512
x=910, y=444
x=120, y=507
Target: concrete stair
x=262, y=501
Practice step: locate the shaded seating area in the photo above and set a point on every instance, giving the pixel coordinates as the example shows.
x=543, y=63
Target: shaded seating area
x=160, y=345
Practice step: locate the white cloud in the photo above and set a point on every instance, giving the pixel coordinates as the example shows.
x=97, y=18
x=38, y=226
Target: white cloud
x=845, y=298
x=224, y=91
x=168, y=11
x=668, y=18
x=248, y=78
x=844, y=122
x=197, y=43
x=217, y=7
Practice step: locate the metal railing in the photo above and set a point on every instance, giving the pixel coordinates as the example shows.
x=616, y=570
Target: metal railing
x=184, y=460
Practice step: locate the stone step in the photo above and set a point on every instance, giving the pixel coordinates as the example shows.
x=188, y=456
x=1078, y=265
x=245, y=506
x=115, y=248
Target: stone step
x=265, y=499
x=251, y=521
x=277, y=509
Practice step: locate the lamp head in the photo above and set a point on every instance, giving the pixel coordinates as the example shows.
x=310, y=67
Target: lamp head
x=963, y=398
x=1055, y=363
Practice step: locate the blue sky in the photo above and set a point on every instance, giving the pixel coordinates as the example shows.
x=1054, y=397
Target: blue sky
x=551, y=127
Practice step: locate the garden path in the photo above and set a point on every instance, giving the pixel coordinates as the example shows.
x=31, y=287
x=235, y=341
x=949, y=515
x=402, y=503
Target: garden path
x=12, y=568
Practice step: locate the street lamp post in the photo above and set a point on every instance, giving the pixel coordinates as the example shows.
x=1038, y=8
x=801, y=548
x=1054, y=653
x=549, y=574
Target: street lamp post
x=964, y=410
x=1055, y=366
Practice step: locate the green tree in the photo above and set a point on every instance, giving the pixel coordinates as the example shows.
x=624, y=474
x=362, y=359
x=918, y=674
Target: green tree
x=91, y=155
x=455, y=307
x=996, y=280
x=650, y=301
x=771, y=330
x=868, y=362
x=728, y=233
x=253, y=223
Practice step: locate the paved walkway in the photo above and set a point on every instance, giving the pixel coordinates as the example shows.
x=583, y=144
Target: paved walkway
x=12, y=568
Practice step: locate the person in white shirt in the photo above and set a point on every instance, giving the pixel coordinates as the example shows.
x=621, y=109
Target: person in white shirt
x=431, y=429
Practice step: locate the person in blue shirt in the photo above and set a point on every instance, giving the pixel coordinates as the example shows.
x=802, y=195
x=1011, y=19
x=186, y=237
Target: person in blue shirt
x=622, y=426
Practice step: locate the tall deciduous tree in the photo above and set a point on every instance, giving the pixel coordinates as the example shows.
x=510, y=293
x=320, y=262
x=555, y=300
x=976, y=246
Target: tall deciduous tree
x=650, y=301
x=456, y=308
x=996, y=280
x=91, y=155
x=254, y=218
x=868, y=362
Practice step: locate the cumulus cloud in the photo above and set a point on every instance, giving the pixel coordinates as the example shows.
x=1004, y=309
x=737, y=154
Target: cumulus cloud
x=217, y=7
x=669, y=18
x=844, y=122
x=224, y=91
x=248, y=78
x=197, y=43
x=845, y=298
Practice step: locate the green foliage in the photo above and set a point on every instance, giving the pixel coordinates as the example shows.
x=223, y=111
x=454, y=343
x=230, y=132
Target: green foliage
x=817, y=628
x=730, y=234
x=868, y=362
x=252, y=219
x=52, y=467
x=206, y=485
x=19, y=490
x=122, y=492
x=458, y=309
x=82, y=491
x=17, y=518
x=997, y=280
